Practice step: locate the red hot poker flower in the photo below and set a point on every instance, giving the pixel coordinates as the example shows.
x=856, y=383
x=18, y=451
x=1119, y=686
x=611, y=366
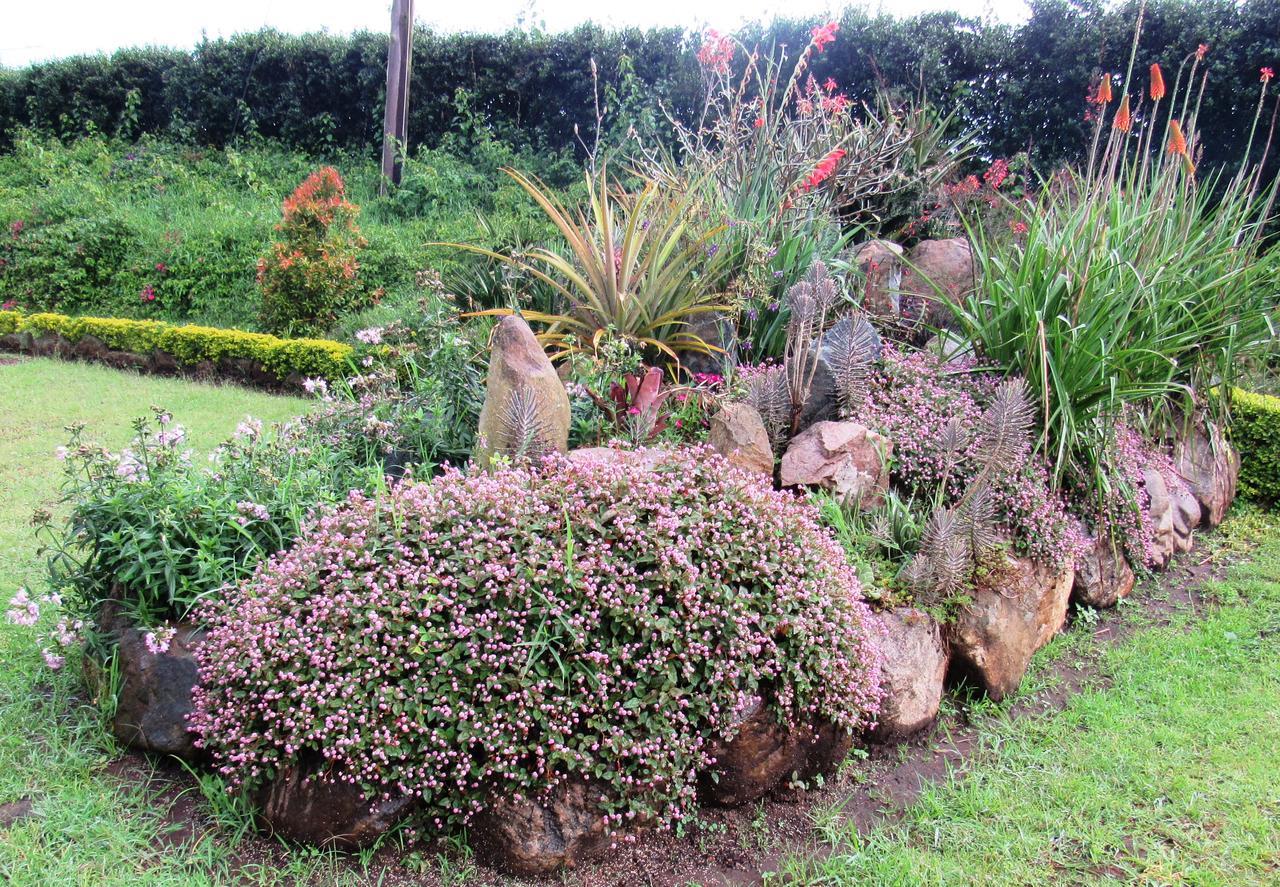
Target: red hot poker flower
x=1157, y=83
x=1177, y=141
x=1124, y=119
x=1103, y=95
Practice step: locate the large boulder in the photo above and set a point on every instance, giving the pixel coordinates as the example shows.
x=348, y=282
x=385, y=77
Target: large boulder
x=1103, y=575
x=533, y=837
x=1211, y=468
x=738, y=434
x=936, y=270
x=1013, y=612
x=760, y=755
x=519, y=369
x=1160, y=514
x=914, y=671
x=153, y=696
x=720, y=332
x=326, y=809
x=845, y=457
x=878, y=264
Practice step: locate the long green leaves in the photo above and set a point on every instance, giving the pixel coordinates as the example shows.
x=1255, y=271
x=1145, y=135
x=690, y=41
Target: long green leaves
x=1144, y=293
x=640, y=264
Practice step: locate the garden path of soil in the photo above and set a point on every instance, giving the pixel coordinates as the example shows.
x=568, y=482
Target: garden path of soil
x=733, y=848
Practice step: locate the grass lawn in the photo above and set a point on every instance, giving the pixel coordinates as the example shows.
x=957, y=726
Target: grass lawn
x=1166, y=772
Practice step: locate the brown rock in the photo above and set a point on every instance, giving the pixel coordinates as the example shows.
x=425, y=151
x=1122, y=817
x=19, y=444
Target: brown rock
x=738, y=434
x=539, y=837
x=519, y=367
x=915, y=667
x=1103, y=575
x=325, y=810
x=761, y=754
x=844, y=457
x=1012, y=614
x=1160, y=513
x=879, y=267
x=1211, y=468
x=936, y=271
x=824, y=748
x=1186, y=516
x=154, y=691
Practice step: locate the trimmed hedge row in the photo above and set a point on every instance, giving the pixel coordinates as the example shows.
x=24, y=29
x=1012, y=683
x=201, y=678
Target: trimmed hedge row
x=285, y=359
x=1255, y=431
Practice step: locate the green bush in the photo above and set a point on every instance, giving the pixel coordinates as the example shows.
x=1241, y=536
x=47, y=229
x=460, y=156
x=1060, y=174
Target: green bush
x=1255, y=431
x=192, y=344
x=154, y=531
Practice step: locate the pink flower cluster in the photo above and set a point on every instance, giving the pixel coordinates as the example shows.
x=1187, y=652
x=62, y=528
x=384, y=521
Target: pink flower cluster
x=491, y=635
x=913, y=396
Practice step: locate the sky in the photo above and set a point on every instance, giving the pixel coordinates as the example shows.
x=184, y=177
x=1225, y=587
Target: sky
x=37, y=31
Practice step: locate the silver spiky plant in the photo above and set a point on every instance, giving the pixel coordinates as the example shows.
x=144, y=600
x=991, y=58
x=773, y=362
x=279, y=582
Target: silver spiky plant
x=850, y=348
x=769, y=392
x=523, y=433
x=956, y=539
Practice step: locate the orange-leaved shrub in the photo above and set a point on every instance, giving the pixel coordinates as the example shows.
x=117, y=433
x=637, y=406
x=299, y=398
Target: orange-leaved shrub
x=311, y=274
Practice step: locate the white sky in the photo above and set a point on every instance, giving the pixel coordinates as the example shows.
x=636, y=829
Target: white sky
x=35, y=30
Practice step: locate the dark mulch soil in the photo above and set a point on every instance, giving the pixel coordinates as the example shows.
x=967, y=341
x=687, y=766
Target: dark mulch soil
x=13, y=812
x=734, y=848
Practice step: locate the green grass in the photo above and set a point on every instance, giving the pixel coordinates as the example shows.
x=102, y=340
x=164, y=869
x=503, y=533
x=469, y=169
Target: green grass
x=1164, y=773
x=85, y=828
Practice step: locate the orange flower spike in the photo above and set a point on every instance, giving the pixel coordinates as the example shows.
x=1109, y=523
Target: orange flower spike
x=1177, y=141
x=1124, y=119
x=1157, y=83
x=1104, y=90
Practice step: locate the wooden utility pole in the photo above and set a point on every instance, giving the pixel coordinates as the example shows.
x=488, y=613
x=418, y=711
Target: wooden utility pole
x=395, y=127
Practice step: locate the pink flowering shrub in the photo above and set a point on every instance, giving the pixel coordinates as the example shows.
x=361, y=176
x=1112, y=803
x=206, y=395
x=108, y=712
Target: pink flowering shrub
x=492, y=635
x=1121, y=507
x=912, y=397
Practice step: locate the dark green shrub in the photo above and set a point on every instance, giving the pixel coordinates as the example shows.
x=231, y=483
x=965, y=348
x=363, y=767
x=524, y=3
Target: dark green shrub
x=1255, y=432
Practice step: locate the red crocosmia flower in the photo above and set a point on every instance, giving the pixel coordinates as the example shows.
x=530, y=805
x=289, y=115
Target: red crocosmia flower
x=161, y=267
x=823, y=35
x=1017, y=227
x=830, y=85
x=996, y=174
x=823, y=171
x=1201, y=51
x=1157, y=83
x=759, y=122
x=1267, y=74
x=716, y=53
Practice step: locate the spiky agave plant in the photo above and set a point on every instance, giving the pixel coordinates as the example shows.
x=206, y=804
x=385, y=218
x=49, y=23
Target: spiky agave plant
x=637, y=263
x=851, y=347
x=769, y=392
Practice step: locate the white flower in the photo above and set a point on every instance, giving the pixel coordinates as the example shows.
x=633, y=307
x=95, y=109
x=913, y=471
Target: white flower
x=129, y=468
x=316, y=386
x=158, y=641
x=22, y=609
x=171, y=436
x=61, y=453
x=371, y=336
x=249, y=429
x=252, y=510
x=53, y=660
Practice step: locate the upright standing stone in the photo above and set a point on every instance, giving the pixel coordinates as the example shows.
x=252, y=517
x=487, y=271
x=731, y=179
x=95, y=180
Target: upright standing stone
x=1211, y=468
x=738, y=434
x=520, y=369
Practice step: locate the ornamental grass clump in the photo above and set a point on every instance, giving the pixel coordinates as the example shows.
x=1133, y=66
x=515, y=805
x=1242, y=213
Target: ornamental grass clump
x=495, y=635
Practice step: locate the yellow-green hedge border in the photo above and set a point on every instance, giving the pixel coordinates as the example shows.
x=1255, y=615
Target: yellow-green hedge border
x=189, y=344
x=1255, y=432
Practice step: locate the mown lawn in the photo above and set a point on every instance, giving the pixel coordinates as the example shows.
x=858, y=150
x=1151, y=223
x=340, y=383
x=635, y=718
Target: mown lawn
x=1168, y=772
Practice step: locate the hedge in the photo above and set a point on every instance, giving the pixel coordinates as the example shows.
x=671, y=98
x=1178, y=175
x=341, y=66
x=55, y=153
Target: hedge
x=190, y=345
x=1255, y=431
x=1017, y=86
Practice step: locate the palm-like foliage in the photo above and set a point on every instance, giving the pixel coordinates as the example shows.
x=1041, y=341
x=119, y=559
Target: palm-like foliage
x=638, y=263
